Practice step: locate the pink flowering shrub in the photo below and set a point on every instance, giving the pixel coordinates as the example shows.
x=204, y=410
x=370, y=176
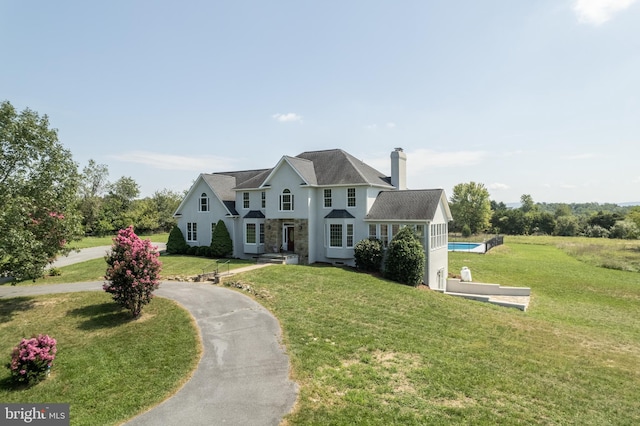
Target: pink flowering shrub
x=32, y=359
x=133, y=271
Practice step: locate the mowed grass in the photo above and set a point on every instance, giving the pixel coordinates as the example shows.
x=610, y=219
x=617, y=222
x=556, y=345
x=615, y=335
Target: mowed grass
x=87, y=242
x=368, y=351
x=173, y=267
x=108, y=366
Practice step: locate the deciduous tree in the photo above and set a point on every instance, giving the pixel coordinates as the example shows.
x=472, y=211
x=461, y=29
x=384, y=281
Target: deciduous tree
x=38, y=187
x=470, y=206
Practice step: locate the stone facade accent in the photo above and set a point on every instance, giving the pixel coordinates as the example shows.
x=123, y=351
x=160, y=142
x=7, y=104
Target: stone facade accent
x=273, y=237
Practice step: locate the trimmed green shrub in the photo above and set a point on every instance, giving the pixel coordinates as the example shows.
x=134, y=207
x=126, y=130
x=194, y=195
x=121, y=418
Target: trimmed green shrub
x=368, y=255
x=221, y=244
x=192, y=251
x=176, y=243
x=466, y=231
x=204, y=251
x=405, y=258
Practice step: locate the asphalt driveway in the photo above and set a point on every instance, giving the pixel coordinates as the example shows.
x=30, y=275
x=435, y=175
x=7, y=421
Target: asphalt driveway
x=243, y=376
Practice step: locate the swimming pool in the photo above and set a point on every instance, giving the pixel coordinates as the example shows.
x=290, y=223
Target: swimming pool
x=465, y=246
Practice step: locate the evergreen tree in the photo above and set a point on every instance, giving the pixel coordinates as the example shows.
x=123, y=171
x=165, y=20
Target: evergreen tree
x=176, y=243
x=221, y=244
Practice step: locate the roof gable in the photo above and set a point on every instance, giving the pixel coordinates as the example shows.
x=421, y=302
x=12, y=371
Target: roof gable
x=405, y=205
x=337, y=167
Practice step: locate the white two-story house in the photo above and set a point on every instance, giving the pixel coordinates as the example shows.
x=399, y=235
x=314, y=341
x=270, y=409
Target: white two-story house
x=318, y=205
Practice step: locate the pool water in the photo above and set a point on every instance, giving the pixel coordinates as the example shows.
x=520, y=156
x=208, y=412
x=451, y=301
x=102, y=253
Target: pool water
x=463, y=246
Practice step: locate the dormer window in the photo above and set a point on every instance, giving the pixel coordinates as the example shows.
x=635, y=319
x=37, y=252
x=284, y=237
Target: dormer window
x=204, y=203
x=286, y=200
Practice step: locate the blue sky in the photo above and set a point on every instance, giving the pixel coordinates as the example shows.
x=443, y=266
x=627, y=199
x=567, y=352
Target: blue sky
x=527, y=97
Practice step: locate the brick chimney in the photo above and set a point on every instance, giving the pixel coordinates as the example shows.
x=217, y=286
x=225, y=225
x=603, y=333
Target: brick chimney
x=399, y=169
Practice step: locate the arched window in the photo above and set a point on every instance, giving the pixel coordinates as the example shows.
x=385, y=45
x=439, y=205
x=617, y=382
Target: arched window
x=286, y=200
x=204, y=203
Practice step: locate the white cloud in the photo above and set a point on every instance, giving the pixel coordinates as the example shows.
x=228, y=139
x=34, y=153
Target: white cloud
x=497, y=186
x=202, y=163
x=391, y=125
x=286, y=118
x=597, y=12
x=371, y=126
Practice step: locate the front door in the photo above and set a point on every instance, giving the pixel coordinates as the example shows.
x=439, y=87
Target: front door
x=288, y=237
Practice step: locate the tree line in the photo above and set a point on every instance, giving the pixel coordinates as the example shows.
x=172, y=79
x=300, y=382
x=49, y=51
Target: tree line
x=106, y=207
x=474, y=212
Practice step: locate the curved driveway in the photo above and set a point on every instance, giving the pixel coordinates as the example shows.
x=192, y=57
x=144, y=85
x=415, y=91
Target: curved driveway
x=243, y=375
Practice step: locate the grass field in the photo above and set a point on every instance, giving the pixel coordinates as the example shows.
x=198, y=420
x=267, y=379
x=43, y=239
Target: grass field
x=108, y=240
x=369, y=351
x=108, y=367
x=173, y=267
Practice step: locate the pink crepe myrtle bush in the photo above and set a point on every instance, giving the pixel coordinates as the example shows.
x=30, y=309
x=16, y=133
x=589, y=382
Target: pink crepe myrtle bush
x=32, y=359
x=133, y=271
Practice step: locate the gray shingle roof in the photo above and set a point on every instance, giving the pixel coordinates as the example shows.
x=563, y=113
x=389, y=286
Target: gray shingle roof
x=418, y=204
x=339, y=214
x=231, y=206
x=305, y=168
x=255, y=181
x=254, y=214
x=337, y=167
x=222, y=185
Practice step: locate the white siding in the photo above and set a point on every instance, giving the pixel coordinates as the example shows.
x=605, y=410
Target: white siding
x=190, y=214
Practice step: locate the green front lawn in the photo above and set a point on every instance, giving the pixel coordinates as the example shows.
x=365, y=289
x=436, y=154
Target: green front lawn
x=87, y=242
x=173, y=266
x=368, y=351
x=108, y=367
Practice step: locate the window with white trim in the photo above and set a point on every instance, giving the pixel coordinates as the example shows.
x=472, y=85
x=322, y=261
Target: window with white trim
x=203, y=206
x=250, y=233
x=349, y=235
x=327, y=198
x=335, y=235
x=373, y=231
x=439, y=234
x=262, y=233
x=286, y=200
x=245, y=200
x=263, y=197
x=351, y=197
x=192, y=231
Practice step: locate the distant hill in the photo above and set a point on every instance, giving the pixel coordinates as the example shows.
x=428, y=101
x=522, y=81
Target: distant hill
x=593, y=205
